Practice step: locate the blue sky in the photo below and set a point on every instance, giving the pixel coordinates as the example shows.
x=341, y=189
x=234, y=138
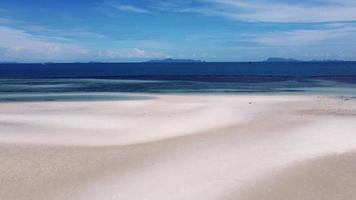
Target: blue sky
x=212, y=30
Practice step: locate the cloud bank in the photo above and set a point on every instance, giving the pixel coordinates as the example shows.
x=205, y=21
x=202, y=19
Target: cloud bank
x=284, y=11
x=134, y=53
x=19, y=45
x=279, y=11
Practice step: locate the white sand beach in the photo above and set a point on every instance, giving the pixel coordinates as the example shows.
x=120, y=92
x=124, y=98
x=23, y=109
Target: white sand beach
x=180, y=147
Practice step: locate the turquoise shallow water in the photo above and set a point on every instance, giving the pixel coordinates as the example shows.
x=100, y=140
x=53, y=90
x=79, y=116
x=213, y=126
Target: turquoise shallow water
x=29, y=90
x=127, y=81
x=74, y=96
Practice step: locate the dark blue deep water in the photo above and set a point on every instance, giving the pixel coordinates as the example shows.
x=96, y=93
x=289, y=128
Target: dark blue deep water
x=107, y=81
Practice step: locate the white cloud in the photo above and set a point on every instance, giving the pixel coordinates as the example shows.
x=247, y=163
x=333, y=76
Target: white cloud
x=129, y=8
x=280, y=10
x=5, y=21
x=325, y=36
x=23, y=46
x=284, y=11
x=18, y=45
x=134, y=53
x=64, y=34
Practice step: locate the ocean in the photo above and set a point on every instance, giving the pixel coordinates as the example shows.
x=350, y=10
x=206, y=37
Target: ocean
x=124, y=81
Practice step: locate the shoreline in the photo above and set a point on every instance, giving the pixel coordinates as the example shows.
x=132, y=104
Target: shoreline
x=111, y=97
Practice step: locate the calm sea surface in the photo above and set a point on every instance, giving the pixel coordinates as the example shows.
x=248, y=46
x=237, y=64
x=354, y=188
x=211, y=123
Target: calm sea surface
x=115, y=81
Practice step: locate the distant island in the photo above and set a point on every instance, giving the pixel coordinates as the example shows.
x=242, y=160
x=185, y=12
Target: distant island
x=171, y=60
x=277, y=59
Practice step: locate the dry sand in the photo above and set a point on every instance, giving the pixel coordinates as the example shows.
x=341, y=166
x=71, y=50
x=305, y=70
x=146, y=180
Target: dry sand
x=179, y=147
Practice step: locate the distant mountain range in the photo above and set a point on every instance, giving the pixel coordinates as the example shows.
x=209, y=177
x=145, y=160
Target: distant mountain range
x=171, y=60
x=277, y=59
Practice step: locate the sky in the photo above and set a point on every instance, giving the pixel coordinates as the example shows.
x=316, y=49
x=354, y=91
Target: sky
x=210, y=30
